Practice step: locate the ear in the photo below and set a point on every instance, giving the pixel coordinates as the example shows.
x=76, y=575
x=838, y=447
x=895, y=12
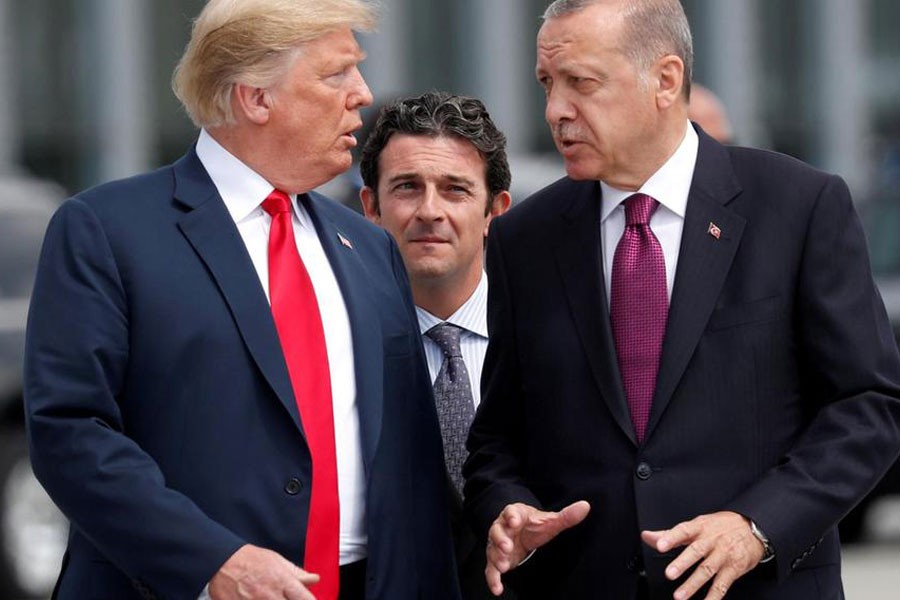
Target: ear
x=500, y=203
x=668, y=75
x=370, y=204
x=254, y=103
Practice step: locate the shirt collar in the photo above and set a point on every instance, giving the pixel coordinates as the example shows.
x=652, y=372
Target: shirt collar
x=242, y=189
x=669, y=186
x=471, y=316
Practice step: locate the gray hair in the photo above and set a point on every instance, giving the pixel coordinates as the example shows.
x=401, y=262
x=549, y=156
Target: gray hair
x=436, y=114
x=652, y=29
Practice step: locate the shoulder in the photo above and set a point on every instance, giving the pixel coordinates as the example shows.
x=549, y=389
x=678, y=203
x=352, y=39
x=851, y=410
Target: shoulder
x=348, y=222
x=558, y=198
x=127, y=191
x=771, y=165
x=786, y=184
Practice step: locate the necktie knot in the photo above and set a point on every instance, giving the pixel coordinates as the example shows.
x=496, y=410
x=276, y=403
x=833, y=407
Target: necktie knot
x=638, y=209
x=277, y=202
x=446, y=336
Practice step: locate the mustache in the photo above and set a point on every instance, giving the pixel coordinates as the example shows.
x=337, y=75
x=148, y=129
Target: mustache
x=568, y=132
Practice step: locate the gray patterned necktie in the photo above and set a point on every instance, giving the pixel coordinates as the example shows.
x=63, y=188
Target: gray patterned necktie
x=453, y=397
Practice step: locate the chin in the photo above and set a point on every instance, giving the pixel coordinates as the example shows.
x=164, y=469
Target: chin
x=580, y=171
x=426, y=270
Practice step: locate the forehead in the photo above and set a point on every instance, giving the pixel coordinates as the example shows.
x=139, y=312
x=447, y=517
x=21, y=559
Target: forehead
x=424, y=155
x=594, y=30
x=334, y=47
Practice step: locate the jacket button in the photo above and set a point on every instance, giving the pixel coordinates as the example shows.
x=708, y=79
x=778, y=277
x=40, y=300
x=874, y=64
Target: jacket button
x=293, y=486
x=643, y=471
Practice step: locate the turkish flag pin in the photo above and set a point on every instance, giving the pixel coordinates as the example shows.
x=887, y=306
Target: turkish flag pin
x=714, y=230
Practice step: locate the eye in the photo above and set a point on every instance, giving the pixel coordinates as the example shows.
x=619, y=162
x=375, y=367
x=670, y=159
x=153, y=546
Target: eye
x=404, y=186
x=458, y=191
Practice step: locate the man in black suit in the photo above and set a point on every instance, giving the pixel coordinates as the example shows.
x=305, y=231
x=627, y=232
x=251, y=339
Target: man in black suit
x=225, y=387
x=436, y=174
x=688, y=358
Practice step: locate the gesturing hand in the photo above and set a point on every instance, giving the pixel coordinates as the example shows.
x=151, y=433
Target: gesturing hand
x=722, y=545
x=520, y=529
x=260, y=574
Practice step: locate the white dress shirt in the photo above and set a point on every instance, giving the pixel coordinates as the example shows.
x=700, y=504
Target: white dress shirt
x=670, y=186
x=471, y=317
x=243, y=190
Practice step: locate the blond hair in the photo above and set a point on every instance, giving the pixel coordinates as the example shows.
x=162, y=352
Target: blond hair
x=253, y=42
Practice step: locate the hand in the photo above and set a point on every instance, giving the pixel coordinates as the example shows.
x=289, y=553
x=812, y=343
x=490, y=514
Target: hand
x=722, y=541
x=260, y=574
x=520, y=529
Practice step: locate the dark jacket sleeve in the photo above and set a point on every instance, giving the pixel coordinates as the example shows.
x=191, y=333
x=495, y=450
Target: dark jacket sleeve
x=496, y=442
x=77, y=357
x=850, y=367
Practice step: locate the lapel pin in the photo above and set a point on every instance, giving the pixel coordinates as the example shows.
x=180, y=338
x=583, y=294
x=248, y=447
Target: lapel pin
x=344, y=241
x=714, y=230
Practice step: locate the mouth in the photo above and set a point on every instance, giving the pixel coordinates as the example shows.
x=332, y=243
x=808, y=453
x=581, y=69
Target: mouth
x=428, y=239
x=568, y=147
x=349, y=137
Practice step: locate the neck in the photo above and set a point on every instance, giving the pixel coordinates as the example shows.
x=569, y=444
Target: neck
x=441, y=299
x=250, y=148
x=668, y=136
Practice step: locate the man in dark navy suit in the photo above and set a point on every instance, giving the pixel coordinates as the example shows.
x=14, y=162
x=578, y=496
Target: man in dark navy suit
x=690, y=377
x=436, y=175
x=225, y=386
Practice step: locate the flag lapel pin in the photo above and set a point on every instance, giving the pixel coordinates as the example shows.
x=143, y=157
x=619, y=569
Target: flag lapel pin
x=344, y=241
x=714, y=230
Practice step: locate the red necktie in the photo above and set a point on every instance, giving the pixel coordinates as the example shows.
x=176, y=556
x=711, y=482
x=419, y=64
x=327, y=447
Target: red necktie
x=299, y=325
x=639, y=307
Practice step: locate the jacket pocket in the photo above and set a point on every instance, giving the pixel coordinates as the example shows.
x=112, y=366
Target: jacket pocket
x=725, y=317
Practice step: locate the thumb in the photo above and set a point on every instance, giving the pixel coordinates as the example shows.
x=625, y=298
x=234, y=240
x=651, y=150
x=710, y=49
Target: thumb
x=572, y=515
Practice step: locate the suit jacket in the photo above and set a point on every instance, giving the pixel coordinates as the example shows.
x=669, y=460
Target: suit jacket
x=778, y=394
x=161, y=416
x=471, y=559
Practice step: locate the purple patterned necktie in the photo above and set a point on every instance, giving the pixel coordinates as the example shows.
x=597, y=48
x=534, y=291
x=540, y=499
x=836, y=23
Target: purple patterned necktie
x=639, y=307
x=453, y=397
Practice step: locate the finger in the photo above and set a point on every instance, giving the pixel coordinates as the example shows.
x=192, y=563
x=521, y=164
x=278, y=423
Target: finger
x=695, y=552
x=682, y=534
x=297, y=591
x=499, y=538
x=306, y=578
x=514, y=516
x=493, y=578
x=573, y=514
x=721, y=584
x=704, y=572
x=296, y=587
x=502, y=561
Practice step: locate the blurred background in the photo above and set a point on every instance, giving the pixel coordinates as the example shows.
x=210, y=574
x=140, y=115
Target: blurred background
x=85, y=97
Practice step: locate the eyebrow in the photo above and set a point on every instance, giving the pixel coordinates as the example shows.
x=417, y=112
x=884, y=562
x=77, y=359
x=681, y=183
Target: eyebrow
x=402, y=177
x=444, y=176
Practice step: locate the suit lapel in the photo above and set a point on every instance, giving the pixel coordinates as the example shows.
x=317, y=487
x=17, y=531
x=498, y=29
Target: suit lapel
x=210, y=230
x=703, y=264
x=352, y=277
x=578, y=256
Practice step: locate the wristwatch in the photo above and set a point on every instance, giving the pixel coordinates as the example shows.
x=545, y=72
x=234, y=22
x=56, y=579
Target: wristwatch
x=768, y=550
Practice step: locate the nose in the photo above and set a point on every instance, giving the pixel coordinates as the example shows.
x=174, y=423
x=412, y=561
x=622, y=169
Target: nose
x=361, y=95
x=558, y=108
x=429, y=208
